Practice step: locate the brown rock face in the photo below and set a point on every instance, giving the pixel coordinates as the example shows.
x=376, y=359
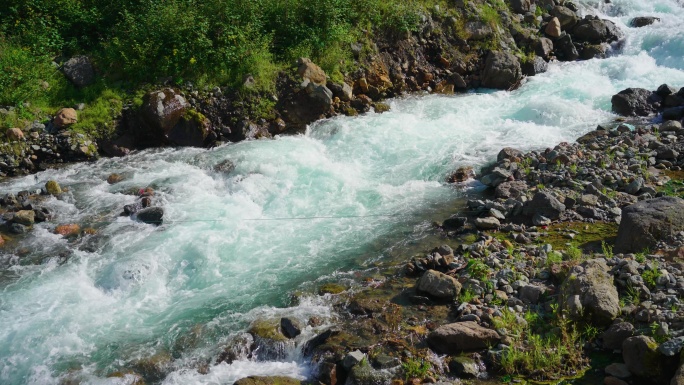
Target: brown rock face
x=14, y=134
x=68, y=230
x=461, y=336
x=308, y=70
x=553, y=29
x=65, y=117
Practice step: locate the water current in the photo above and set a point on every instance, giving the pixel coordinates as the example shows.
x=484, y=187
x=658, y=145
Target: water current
x=235, y=246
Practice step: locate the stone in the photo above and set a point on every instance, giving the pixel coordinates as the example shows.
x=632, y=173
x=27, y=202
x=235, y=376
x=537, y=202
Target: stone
x=565, y=49
x=678, y=378
x=502, y=70
x=521, y=6
x=597, y=293
x=464, y=367
x=342, y=91
x=114, y=178
x=545, y=204
x=14, y=134
x=645, y=223
x=641, y=356
x=671, y=347
x=25, y=217
x=151, y=215
x=367, y=375
x=80, y=71
x=454, y=223
x=270, y=380
x=616, y=334
x=477, y=30
x=618, y=370
x=671, y=125
x=613, y=381
x=68, y=230
x=643, y=21
x=513, y=189
x=553, y=28
x=566, y=17
x=458, y=337
x=461, y=174
x=53, y=188
x=487, y=223
x=544, y=46
x=635, y=102
x=534, y=67
x=160, y=112
x=594, y=30
x=531, y=293
x=352, y=359
x=191, y=130
x=18, y=228
x=65, y=117
x=291, y=328
x=310, y=71
x=439, y=285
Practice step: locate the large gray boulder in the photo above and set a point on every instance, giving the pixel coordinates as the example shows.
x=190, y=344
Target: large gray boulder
x=461, y=336
x=439, y=285
x=635, y=102
x=544, y=204
x=80, y=71
x=591, y=29
x=588, y=293
x=645, y=223
x=616, y=334
x=566, y=16
x=502, y=70
x=641, y=356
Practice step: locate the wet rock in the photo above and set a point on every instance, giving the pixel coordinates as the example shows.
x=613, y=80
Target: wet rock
x=53, y=188
x=366, y=375
x=14, y=134
x=593, y=286
x=635, y=102
x=502, y=70
x=191, y=130
x=565, y=49
x=496, y=177
x=151, y=215
x=65, y=117
x=439, y=285
x=616, y=334
x=269, y=380
x=567, y=17
x=342, y=91
x=545, y=204
x=352, y=359
x=647, y=222
x=643, y=21
x=25, y=217
x=155, y=367
x=114, y=178
x=291, y=328
x=594, y=30
x=160, y=112
x=464, y=367
x=18, y=228
x=509, y=153
x=461, y=336
x=534, y=67
x=544, y=47
x=641, y=356
x=454, y=223
x=461, y=174
x=80, y=71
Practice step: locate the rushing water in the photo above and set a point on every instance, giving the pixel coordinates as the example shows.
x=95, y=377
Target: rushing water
x=235, y=247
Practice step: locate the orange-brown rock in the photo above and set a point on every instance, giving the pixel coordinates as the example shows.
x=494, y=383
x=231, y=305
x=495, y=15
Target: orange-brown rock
x=14, y=134
x=65, y=117
x=68, y=230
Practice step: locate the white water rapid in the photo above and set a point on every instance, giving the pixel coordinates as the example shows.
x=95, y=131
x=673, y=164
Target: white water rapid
x=89, y=307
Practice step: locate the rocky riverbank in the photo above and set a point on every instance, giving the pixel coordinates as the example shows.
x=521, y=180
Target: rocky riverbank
x=469, y=46
x=578, y=254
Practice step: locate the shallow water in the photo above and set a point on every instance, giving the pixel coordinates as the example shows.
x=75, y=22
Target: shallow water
x=296, y=209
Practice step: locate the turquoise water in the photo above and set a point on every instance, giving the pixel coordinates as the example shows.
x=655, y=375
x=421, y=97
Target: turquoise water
x=229, y=254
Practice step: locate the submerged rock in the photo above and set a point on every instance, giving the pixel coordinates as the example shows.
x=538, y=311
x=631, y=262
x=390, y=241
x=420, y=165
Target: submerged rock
x=151, y=215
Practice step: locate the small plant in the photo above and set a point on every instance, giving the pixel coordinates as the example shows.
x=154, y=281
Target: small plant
x=590, y=332
x=467, y=296
x=477, y=269
x=540, y=186
x=554, y=257
x=607, y=250
x=573, y=168
x=632, y=296
x=650, y=276
x=414, y=368
x=573, y=252
x=659, y=338
x=640, y=257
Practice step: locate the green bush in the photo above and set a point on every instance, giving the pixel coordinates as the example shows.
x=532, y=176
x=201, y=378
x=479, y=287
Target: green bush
x=22, y=73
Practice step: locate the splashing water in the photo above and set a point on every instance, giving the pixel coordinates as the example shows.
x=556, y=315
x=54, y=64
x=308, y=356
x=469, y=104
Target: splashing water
x=132, y=290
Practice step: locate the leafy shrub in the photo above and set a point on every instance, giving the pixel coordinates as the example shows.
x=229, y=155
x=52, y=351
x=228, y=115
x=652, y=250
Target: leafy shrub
x=21, y=73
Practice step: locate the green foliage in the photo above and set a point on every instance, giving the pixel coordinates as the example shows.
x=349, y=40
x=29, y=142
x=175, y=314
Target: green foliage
x=573, y=252
x=467, y=296
x=414, y=368
x=607, y=250
x=477, y=269
x=22, y=73
x=651, y=275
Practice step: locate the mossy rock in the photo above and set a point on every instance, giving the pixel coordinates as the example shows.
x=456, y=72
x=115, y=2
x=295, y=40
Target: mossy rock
x=53, y=188
x=331, y=288
x=268, y=329
x=273, y=380
x=381, y=107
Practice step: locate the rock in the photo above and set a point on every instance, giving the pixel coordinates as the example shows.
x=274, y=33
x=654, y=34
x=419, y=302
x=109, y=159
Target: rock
x=521, y=6
x=439, y=285
x=487, y=223
x=534, y=67
x=513, y=189
x=25, y=217
x=597, y=294
x=68, y=230
x=65, y=117
x=114, y=178
x=618, y=370
x=496, y=177
x=352, y=359
x=566, y=16
x=544, y=47
x=671, y=125
x=502, y=70
x=14, y=134
x=367, y=375
x=616, y=334
x=594, y=30
x=594, y=51
x=270, y=380
x=671, y=347
x=543, y=203
x=160, y=112
x=565, y=49
x=464, y=367
x=613, y=381
x=151, y=215
x=678, y=378
x=454, y=223
x=553, y=28
x=641, y=357
x=308, y=70
x=457, y=337
x=647, y=222
x=477, y=30
x=191, y=130
x=643, y=21
x=531, y=293
x=18, y=228
x=291, y=328
x=80, y=71
x=53, y=188
x=635, y=102
x=461, y=174
x=343, y=91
